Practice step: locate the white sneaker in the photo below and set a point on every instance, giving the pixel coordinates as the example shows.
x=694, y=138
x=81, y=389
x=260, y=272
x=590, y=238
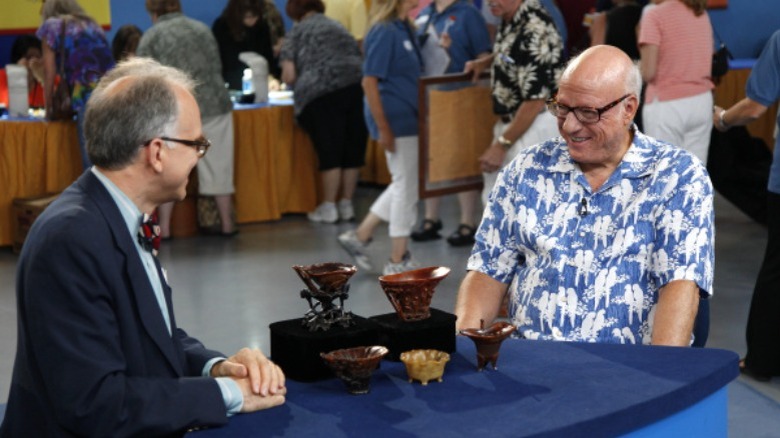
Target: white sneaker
x=407, y=263
x=349, y=240
x=346, y=210
x=325, y=212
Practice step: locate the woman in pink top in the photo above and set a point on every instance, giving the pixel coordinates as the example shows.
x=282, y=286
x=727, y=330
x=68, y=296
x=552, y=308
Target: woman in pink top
x=676, y=45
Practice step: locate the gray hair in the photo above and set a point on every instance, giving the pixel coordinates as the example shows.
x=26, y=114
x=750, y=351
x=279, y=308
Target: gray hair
x=132, y=104
x=634, y=81
x=55, y=8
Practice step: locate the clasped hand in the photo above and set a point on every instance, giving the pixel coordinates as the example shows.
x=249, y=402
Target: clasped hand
x=261, y=381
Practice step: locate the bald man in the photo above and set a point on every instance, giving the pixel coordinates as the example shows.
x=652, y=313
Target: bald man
x=600, y=235
x=98, y=350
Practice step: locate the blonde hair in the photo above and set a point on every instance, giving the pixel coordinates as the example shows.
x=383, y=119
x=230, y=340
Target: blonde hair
x=697, y=6
x=384, y=10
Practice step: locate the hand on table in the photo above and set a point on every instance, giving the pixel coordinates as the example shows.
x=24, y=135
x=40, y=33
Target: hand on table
x=255, y=402
x=254, y=372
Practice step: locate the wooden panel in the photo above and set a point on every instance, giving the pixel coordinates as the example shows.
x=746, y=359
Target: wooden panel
x=456, y=125
x=455, y=137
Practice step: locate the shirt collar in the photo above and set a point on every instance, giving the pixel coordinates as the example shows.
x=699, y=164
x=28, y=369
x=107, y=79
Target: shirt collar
x=169, y=16
x=129, y=211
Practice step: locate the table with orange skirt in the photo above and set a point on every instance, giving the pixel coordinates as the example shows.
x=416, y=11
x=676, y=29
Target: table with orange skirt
x=275, y=165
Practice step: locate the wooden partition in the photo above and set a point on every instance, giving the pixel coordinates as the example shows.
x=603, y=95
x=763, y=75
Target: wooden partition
x=456, y=125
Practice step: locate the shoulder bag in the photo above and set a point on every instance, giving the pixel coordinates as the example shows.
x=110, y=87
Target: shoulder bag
x=720, y=59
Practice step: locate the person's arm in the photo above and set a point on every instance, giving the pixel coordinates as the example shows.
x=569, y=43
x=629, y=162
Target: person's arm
x=740, y=114
x=371, y=91
x=49, y=74
x=675, y=313
x=648, y=63
x=493, y=158
x=288, y=72
x=479, y=299
x=598, y=29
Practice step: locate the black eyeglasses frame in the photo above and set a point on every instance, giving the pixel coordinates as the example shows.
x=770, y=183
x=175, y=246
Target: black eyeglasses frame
x=553, y=105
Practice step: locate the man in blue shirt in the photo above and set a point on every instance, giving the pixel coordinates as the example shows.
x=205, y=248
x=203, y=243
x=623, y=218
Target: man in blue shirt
x=600, y=235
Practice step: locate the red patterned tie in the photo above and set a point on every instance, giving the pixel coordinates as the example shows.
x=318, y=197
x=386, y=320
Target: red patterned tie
x=149, y=233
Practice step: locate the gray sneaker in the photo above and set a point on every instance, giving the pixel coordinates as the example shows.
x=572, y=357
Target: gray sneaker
x=407, y=263
x=346, y=210
x=325, y=212
x=355, y=248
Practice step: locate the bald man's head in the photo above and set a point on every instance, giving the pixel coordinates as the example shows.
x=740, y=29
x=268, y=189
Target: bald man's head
x=604, y=67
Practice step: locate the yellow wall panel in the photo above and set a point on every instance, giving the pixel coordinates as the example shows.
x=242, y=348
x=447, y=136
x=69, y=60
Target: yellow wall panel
x=25, y=15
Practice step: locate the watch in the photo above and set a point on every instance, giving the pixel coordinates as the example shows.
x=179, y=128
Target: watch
x=504, y=142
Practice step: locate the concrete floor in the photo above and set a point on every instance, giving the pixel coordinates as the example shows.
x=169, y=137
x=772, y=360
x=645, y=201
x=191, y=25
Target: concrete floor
x=227, y=291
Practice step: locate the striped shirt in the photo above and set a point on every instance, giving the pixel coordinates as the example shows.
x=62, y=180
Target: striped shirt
x=685, y=47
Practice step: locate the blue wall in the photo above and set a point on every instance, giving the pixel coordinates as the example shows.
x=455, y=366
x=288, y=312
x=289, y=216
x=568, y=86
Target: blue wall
x=760, y=17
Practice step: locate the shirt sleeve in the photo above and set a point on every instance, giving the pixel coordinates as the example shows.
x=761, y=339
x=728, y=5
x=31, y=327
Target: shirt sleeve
x=49, y=32
x=684, y=247
x=287, y=52
x=649, y=31
x=231, y=393
x=478, y=33
x=495, y=252
x=763, y=85
x=378, y=46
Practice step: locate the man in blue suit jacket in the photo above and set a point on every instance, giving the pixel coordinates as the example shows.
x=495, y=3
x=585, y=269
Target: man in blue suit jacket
x=98, y=350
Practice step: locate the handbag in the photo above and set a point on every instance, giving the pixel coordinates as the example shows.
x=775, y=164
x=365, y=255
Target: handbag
x=720, y=59
x=61, y=108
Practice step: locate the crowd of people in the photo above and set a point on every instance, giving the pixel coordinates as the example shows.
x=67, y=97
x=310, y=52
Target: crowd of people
x=592, y=230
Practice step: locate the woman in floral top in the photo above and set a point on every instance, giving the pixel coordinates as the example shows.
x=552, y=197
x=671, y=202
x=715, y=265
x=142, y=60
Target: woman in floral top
x=86, y=50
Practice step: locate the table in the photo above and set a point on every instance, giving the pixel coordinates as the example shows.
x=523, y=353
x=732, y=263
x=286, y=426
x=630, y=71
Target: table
x=275, y=165
x=540, y=389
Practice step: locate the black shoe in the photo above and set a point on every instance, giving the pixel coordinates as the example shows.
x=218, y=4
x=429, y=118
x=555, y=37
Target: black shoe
x=759, y=377
x=428, y=231
x=463, y=236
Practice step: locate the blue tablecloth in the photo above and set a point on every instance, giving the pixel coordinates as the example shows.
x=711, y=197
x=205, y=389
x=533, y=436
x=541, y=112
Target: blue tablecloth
x=539, y=389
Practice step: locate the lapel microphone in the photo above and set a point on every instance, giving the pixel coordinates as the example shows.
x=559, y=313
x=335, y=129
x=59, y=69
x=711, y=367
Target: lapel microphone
x=583, y=207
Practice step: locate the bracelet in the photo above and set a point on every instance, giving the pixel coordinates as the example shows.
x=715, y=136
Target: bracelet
x=504, y=142
x=721, y=120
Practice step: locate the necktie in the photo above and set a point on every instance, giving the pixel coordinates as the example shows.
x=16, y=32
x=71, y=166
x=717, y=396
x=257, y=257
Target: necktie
x=149, y=233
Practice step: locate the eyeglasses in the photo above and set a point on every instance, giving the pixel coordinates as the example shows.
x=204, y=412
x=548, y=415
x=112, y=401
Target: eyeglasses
x=201, y=144
x=584, y=114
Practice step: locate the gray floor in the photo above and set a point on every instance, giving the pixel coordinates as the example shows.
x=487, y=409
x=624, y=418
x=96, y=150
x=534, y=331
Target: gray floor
x=227, y=292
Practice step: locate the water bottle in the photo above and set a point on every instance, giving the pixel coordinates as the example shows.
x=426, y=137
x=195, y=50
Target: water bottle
x=247, y=82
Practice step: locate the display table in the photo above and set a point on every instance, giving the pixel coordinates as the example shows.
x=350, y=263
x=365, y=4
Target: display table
x=540, y=389
x=275, y=165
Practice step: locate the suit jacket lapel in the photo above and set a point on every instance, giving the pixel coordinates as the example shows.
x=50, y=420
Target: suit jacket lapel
x=141, y=288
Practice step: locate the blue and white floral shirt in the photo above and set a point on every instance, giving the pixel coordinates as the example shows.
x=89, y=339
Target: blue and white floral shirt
x=587, y=266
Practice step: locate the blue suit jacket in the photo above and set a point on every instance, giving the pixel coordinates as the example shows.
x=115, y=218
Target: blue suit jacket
x=94, y=357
